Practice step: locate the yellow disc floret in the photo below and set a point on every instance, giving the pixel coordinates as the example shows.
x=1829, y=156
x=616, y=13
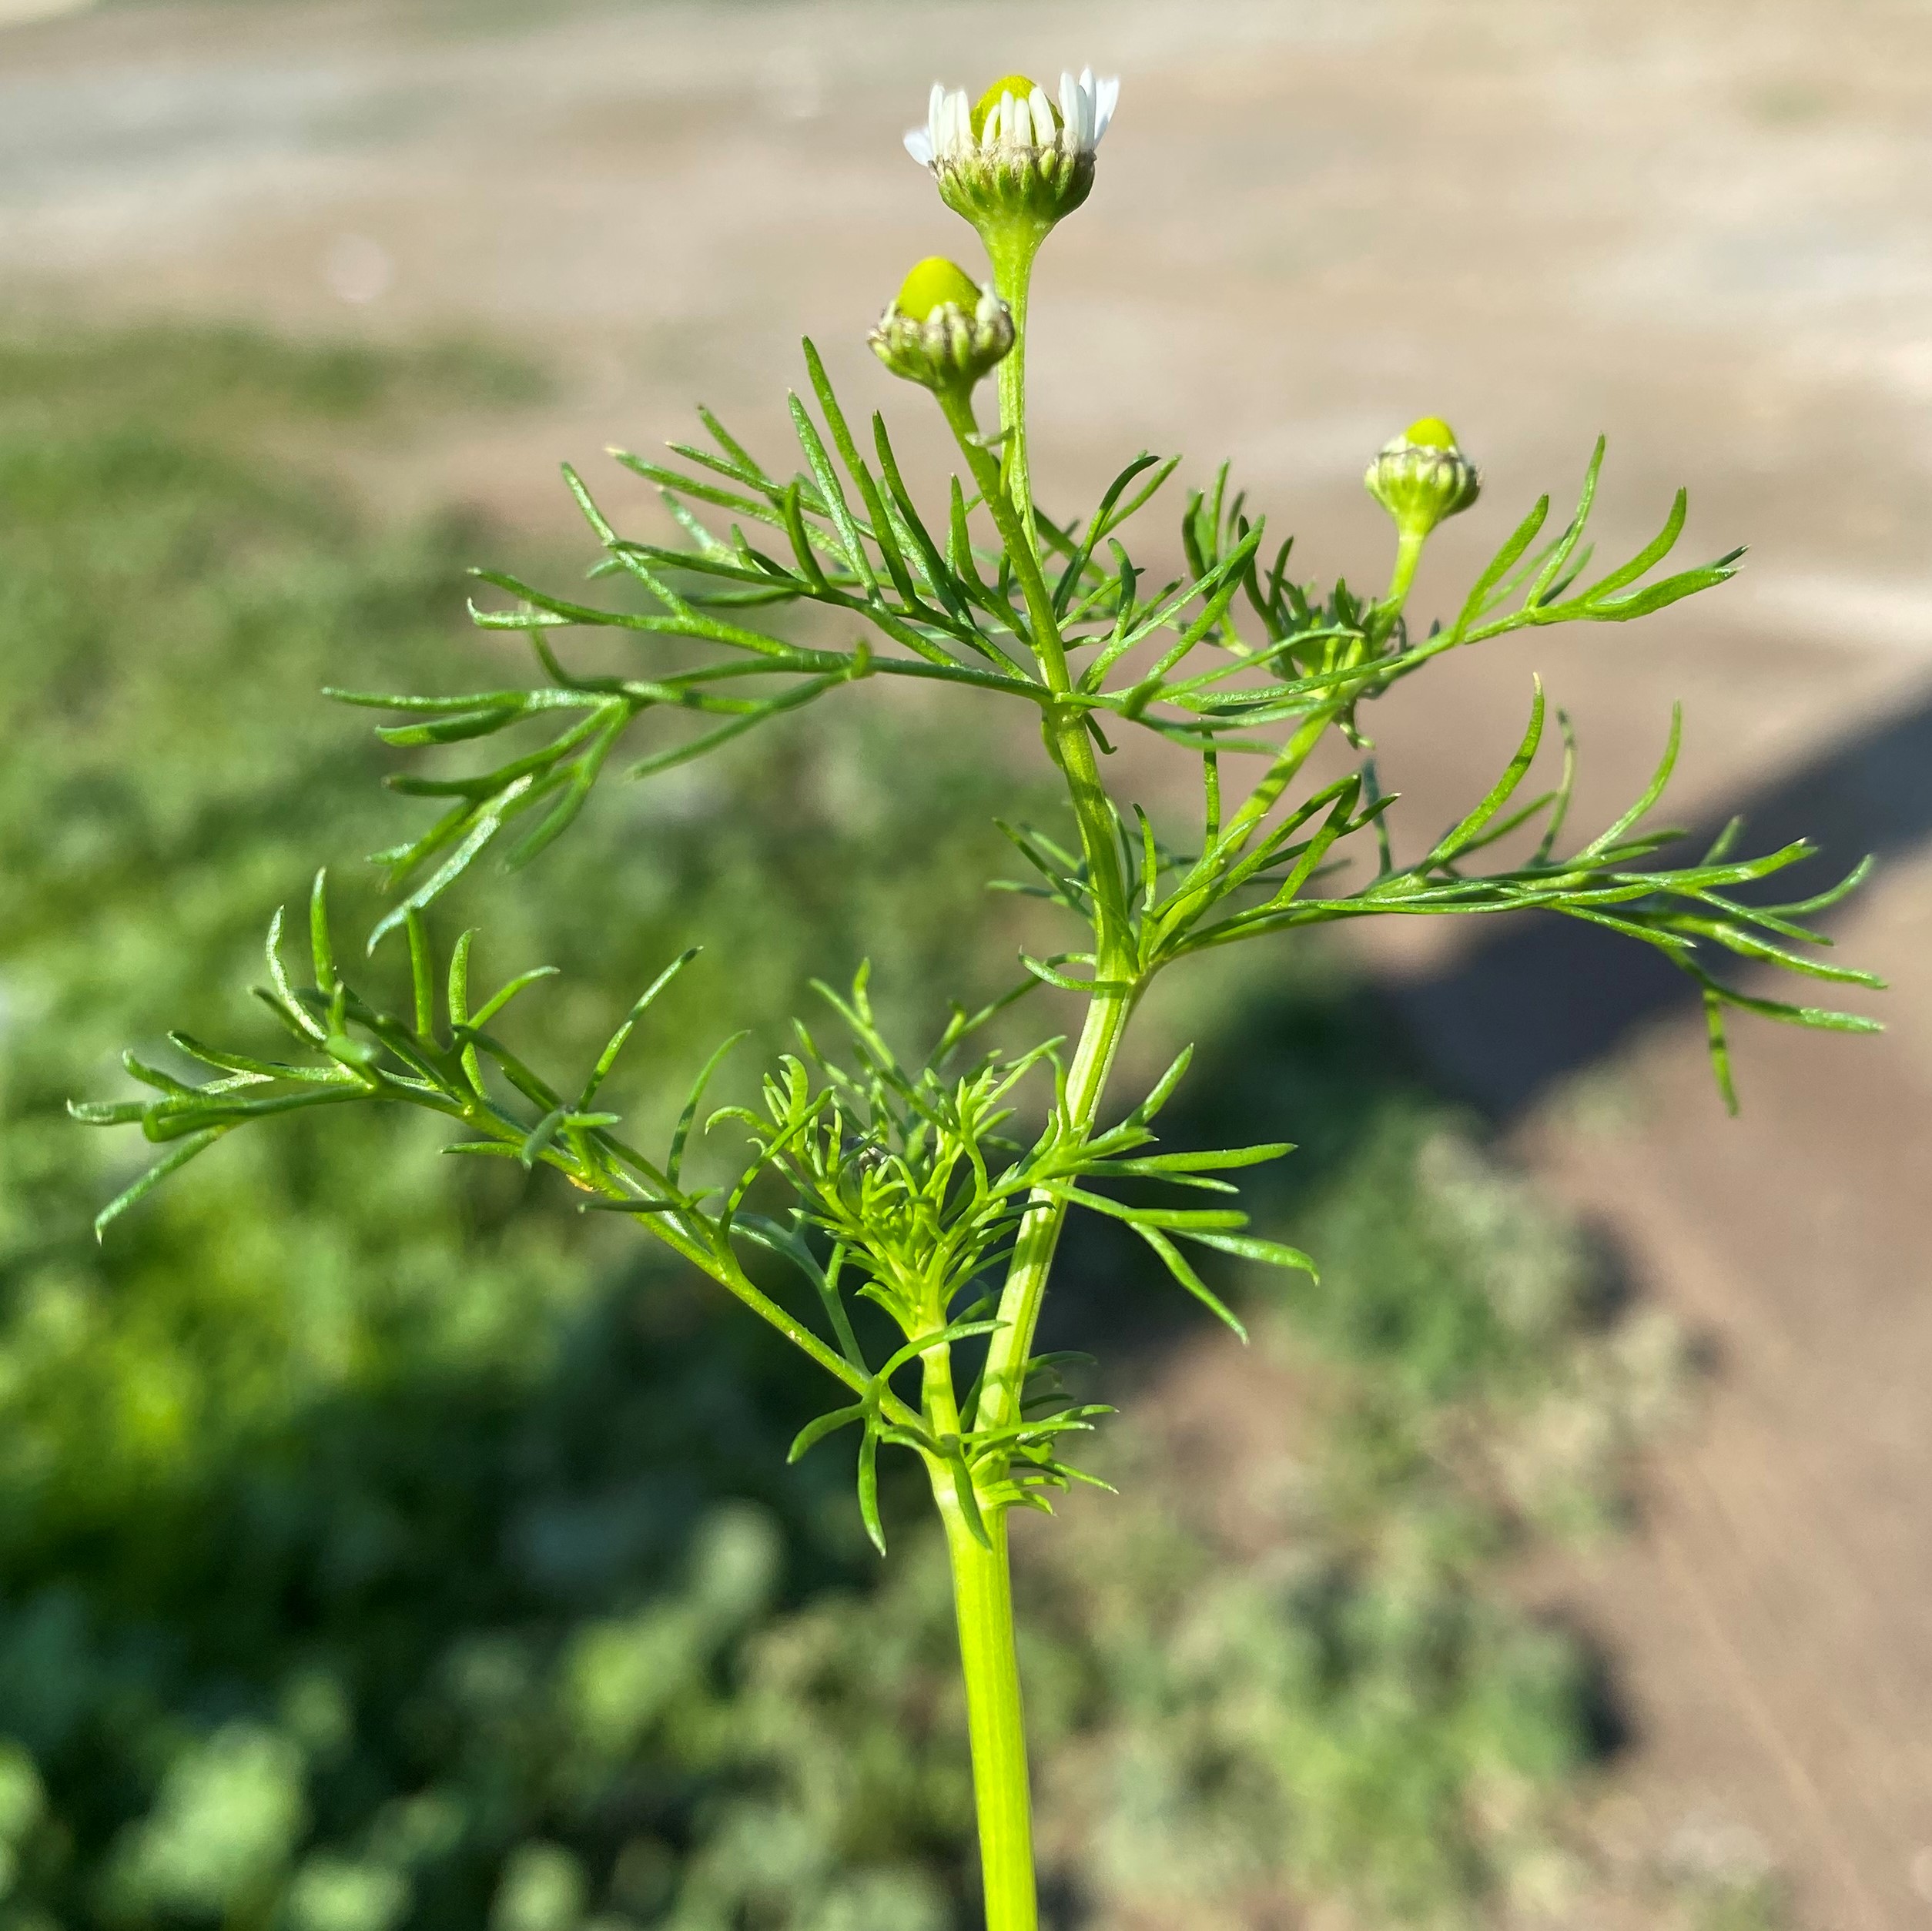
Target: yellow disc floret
x=933, y=284
x=1018, y=85
x=1430, y=432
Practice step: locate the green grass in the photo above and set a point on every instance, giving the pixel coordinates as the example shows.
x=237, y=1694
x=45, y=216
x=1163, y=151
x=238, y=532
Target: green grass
x=368, y=1555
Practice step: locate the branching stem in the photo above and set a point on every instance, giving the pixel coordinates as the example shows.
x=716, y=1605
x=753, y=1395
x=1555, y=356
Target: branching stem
x=1034, y=1247
x=982, y=1589
x=1069, y=738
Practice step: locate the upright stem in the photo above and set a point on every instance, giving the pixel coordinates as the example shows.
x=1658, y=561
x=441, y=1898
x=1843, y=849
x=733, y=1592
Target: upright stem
x=1038, y=1238
x=995, y=1727
x=1002, y=1796
x=982, y=1582
x=1115, y=964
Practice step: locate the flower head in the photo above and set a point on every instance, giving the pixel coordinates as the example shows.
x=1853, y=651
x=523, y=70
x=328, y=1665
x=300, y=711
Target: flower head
x=1421, y=477
x=1014, y=152
x=943, y=330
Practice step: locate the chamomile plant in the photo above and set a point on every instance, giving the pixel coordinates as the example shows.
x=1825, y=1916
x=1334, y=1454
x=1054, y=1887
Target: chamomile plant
x=935, y=1187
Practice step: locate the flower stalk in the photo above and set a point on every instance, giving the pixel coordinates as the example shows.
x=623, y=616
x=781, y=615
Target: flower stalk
x=1012, y=249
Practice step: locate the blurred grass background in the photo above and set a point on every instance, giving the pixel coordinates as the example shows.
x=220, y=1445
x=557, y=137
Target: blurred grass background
x=384, y=1545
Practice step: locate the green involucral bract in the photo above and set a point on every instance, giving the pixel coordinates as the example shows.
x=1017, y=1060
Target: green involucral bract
x=916, y=1203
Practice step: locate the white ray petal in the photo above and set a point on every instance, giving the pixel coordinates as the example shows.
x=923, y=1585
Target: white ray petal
x=1043, y=127
x=918, y=144
x=1080, y=122
x=1106, y=97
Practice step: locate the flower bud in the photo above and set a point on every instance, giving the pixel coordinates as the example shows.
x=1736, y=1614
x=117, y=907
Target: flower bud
x=945, y=330
x=1015, y=155
x=1420, y=476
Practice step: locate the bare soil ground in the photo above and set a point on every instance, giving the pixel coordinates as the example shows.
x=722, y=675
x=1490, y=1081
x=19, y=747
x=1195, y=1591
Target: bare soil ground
x=1704, y=229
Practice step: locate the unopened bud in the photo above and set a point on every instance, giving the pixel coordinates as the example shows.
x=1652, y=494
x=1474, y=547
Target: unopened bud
x=1420, y=476
x=945, y=330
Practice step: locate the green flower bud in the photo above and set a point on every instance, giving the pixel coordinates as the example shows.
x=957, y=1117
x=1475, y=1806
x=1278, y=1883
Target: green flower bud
x=945, y=330
x=1420, y=476
x=1015, y=155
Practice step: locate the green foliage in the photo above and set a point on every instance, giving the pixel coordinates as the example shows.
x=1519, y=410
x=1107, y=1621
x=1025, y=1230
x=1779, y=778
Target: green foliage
x=876, y=558
x=1315, y=1688
x=929, y=1210
x=322, y=1513
x=1260, y=869
x=1354, y=1717
x=433, y=1563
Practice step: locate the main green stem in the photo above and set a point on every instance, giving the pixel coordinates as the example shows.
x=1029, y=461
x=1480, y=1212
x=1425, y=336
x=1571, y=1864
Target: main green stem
x=982, y=1600
x=982, y=1576
x=995, y=1727
x=982, y=1580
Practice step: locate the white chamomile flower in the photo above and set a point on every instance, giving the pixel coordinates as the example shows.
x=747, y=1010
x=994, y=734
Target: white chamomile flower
x=1014, y=152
